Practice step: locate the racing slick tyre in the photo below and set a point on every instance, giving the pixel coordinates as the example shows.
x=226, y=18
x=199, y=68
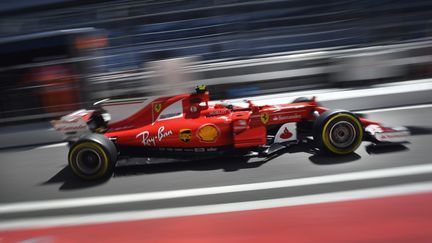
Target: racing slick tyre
x=337, y=132
x=93, y=157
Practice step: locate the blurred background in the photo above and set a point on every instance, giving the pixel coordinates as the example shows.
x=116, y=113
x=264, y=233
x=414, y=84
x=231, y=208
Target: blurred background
x=369, y=56
x=60, y=55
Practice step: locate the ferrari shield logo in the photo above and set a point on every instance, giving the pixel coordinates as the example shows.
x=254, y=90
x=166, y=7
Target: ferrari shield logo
x=264, y=117
x=157, y=107
x=185, y=135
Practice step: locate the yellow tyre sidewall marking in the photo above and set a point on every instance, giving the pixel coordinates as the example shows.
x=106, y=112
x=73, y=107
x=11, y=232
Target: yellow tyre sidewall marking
x=96, y=147
x=326, y=139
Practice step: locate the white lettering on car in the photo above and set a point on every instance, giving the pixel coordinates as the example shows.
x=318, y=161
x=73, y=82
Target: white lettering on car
x=218, y=112
x=162, y=134
x=69, y=125
x=295, y=116
x=148, y=140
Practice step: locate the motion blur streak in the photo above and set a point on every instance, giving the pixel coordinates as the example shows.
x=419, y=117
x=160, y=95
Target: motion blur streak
x=340, y=217
x=58, y=56
x=141, y=197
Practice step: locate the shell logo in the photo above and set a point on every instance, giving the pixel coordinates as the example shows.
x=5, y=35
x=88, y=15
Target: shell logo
x=208, y=133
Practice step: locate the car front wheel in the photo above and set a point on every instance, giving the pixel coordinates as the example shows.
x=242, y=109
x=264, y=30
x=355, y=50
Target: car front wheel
x=338, y=132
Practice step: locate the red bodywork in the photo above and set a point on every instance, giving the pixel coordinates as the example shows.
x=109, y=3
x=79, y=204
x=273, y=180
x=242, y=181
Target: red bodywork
x=188, y=121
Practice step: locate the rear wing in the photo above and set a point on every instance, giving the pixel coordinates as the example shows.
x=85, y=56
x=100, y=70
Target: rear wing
x=73, y=125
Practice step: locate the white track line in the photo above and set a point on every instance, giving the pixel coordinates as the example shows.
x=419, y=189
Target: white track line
x=52, y=145
x=150, y=196
x=398, y=108
x=58, y=221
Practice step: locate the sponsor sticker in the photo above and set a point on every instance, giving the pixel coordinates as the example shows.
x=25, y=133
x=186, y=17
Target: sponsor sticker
x=392, y=136
x=287, y=132
x=150, y=140
x=208, y=133
x=218, y=112
x=77, y=125
x=185, y=135
x=288, y=117
x=264, y=117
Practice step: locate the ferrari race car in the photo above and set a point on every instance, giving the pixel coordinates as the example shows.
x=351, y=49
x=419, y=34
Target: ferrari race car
x=187, y=126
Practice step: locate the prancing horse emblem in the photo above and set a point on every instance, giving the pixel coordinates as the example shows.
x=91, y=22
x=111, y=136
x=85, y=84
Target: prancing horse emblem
x=157, y=107
x=264, y=117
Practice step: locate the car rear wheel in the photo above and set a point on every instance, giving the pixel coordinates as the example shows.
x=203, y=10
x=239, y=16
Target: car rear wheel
x=92, y=157
x=338, y=132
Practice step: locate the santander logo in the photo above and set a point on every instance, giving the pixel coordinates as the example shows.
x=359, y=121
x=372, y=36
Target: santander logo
x=286, y=134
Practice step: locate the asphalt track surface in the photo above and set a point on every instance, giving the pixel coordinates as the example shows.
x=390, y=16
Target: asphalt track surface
x=40, y=173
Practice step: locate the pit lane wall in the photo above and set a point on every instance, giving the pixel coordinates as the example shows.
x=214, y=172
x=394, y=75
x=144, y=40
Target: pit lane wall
x=284, y=72
x=262, y=75
x=253, y=76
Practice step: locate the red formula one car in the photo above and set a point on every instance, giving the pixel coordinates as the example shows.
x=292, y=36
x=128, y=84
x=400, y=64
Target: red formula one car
x=186, y=126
